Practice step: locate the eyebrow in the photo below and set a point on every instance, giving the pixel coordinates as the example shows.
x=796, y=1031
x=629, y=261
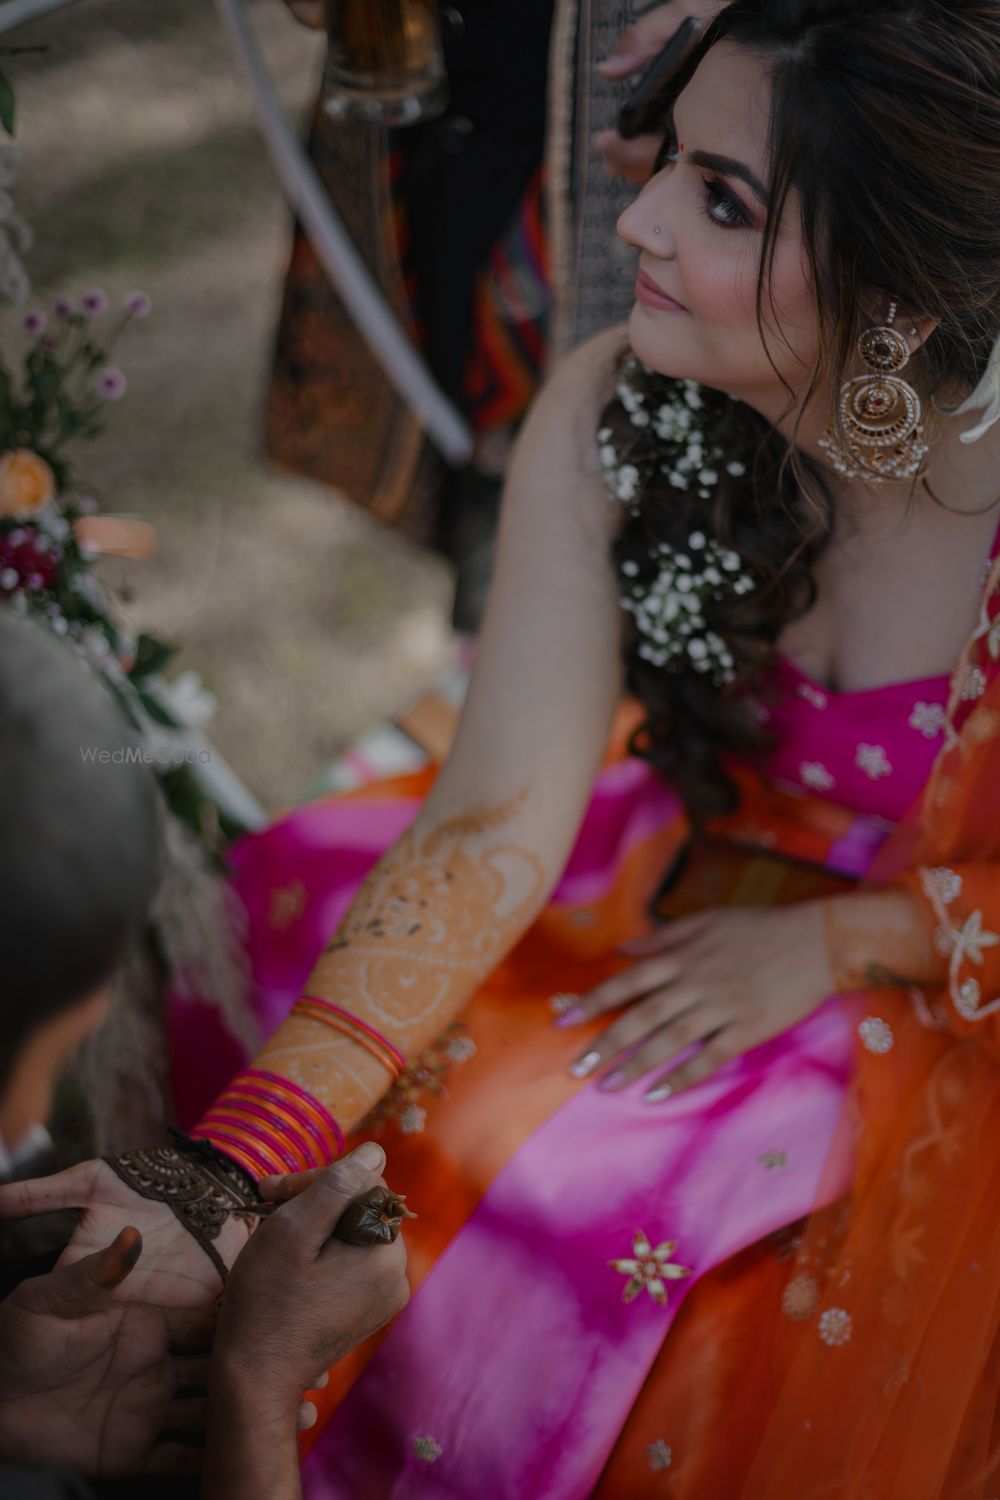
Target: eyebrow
x=728, y=166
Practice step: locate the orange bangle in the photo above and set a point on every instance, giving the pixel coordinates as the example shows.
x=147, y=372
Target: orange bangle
x=317, y=1013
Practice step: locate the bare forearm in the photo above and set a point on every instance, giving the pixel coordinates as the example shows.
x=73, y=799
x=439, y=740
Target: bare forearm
x=251, y=1452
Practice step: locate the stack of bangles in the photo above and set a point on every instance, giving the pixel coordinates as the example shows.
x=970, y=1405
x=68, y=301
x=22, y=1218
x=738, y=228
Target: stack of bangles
x=268, y=1124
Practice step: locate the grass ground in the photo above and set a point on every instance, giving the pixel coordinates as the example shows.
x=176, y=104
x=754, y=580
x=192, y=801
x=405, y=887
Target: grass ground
x=143, y=168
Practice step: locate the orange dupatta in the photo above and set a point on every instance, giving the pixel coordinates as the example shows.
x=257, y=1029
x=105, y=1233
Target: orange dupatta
x=892, y=1390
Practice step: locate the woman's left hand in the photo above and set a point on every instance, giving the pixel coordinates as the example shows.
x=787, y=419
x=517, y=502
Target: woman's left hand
x=729, y=979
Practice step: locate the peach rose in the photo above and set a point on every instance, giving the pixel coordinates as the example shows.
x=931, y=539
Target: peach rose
x=26, y=483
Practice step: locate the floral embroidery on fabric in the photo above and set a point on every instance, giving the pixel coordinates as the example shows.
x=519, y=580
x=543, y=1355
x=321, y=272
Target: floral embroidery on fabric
x=286, y=905
x=800, y=1298
x=876, y=1034
x=813, y=773
x=426, y=1449
x=927, y=718
x=972, y=939
x=873, y=760
x=944, y=882
x=660, y=1455
x=973, y=683
x=835, y=1327
x=773, y=1159
x=424, y=1076
x=411, y=1119
x=812, y=695
x=647, y=1269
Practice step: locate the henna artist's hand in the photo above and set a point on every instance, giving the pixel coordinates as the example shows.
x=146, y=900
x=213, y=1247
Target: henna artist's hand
x=637, y=46
x=727, y=979
x=298, y=1299
x=102, y=1386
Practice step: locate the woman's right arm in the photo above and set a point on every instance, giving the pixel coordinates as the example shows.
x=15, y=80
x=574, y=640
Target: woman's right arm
x=453, y=895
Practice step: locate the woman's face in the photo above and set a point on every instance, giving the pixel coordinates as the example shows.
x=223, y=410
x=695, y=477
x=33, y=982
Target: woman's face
x=699, y=227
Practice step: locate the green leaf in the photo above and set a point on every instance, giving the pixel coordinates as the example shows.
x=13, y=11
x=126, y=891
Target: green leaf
x=7, y=103
x=151, y=656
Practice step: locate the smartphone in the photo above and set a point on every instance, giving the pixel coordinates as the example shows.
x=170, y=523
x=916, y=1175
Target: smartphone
x=636, y=111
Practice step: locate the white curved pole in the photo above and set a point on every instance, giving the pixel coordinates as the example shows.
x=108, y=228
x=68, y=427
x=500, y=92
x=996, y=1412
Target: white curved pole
x=19, y=12
x=444, y=423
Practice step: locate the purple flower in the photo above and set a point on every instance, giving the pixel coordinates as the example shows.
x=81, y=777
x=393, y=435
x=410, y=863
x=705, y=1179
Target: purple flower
x=138, y=305
x=34, y=321
x=111, y=383
x=62, y=307
x=93, y=303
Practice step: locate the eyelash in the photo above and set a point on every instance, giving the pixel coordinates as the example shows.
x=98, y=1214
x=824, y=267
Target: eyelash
x=719, y=197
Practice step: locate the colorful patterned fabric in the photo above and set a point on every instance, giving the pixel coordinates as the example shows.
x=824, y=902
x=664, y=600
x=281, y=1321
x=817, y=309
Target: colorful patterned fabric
x=529, y=1184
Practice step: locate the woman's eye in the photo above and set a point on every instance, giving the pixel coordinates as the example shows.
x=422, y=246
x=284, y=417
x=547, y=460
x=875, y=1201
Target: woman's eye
x=723, y=206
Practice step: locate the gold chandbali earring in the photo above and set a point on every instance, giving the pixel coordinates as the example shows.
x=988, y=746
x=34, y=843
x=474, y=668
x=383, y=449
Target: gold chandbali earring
x=880, y=436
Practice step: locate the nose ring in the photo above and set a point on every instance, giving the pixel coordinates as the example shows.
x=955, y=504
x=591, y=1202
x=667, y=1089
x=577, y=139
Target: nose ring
x=657, y=229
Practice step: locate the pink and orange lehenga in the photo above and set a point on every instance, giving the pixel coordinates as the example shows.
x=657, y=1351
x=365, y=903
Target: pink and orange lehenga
x=835, y=1194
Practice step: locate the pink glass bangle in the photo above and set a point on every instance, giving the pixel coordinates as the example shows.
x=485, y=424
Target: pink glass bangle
x=273, y=1121
x=316, y=1149
x=241, y=1152
x=336, y=1135
x=356, y=1021
x=266, y=1144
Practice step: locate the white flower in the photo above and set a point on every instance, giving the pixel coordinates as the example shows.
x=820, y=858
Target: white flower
x=426, y=1449
x=873, y=760
x=927, y=718
x=812, y=695
x=189, y=699
x=835, y=1327
x=697, y=540
x=648, y=1268
x=973, y=683
x=813, y=773
x=412, y=1119
x=659, y=1455
x=971, y=940
x=942, y=882
x=460, y=1049
x=876, y=1034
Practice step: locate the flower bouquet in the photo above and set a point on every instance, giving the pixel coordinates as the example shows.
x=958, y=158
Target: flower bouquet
x=51, y=534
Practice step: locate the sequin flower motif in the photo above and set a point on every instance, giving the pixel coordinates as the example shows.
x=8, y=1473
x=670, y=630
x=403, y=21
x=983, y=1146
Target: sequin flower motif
x=647, y=1269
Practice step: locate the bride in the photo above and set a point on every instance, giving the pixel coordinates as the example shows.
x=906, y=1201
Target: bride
x=705, y=1208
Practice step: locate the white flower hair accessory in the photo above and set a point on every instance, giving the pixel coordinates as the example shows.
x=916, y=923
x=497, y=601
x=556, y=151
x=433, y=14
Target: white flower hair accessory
x=687, y=435
x=669, y=613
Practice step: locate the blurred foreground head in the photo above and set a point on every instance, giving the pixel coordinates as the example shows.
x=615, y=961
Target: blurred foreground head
x=80, y=856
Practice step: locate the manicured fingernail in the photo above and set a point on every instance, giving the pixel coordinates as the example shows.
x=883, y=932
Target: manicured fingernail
x=370, y=1156
x=655, y=1096
x=307, y=1416
x=571, y=1017
x=613, y=1080
x=585, y=1064
x=563, y=1002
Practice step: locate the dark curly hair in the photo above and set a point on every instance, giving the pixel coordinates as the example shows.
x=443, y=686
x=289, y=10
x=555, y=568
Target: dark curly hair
x=885, y=117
